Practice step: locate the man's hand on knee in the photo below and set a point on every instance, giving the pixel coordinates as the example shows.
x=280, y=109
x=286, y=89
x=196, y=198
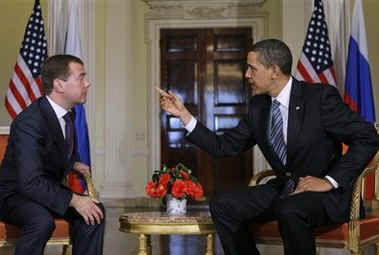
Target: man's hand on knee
x=87, y=208
x=311, y=183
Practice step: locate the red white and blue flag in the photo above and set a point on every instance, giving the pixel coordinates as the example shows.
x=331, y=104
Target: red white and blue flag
x=315, y=64
x=73, y=47
x=358, y=86
x=25, y=85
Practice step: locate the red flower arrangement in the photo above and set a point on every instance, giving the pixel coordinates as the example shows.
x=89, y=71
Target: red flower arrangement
x=176, y=181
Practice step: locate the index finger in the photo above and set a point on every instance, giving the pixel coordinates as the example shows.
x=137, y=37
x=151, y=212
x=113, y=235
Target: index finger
x=162, y=92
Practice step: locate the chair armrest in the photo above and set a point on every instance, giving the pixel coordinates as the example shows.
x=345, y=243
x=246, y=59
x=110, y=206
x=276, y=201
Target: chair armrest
x=259, y=177
x=91, y=188
x=354, y=227
x=358, y=191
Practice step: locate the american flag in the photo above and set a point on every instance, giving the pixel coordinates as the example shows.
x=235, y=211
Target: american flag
x=315, y=64
x=25, y=85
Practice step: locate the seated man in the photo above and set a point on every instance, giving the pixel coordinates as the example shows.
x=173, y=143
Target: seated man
x=299, y=127
x=40, y=153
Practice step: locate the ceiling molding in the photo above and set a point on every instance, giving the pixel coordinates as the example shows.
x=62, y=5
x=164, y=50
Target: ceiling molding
x=202, y=9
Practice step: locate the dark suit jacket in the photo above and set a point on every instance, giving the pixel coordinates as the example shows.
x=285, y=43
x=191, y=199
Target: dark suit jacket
x=35, y=161
x=318, y=122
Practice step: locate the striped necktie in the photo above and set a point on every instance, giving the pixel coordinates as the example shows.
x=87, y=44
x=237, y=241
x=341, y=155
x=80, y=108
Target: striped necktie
x=276, y=135
x=277, y=141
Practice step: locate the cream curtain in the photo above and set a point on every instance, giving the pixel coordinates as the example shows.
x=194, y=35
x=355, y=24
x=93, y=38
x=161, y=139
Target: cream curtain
x=337, y=13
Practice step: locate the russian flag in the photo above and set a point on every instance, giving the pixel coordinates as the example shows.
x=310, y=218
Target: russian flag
x=73, y=47
x=358, y=88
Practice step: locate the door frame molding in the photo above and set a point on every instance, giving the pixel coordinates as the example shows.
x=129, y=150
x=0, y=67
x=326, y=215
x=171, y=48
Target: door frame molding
x=193, y=14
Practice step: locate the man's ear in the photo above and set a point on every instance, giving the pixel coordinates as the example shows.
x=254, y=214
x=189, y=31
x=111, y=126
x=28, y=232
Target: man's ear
x=58, y=85
x=276, y=72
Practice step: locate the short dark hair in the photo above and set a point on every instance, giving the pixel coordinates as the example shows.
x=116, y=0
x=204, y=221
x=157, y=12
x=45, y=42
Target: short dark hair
x=274, y=52
x=56, y=67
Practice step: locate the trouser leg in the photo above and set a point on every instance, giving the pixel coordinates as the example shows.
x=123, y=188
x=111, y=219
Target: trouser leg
x=298, y=215
x=232, y=213
x=86, y=239
x=36, y=224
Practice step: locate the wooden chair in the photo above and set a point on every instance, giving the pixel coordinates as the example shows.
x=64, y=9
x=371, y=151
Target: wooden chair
x=354, y=235
x=61, y=235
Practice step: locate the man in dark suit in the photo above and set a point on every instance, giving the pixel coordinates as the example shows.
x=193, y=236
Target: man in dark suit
x=40, y=153
x=299, y=128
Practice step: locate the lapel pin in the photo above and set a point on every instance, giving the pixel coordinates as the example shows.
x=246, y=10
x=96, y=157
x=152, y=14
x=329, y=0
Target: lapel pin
x=297, y=108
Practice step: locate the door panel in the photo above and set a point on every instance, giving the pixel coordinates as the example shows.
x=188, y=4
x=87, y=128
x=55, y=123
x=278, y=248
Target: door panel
x=205, y=67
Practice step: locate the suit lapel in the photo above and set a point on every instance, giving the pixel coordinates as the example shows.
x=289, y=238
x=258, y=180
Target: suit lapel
x=295, y=119
x=263, y=121
x=263, y=129
x=53, y=124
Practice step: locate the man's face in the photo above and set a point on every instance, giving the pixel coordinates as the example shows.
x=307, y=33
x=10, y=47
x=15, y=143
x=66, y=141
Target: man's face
x=76, y=86
x=258, y=76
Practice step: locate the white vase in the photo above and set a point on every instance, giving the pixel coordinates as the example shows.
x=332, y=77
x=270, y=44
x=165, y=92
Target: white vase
x=175, y=206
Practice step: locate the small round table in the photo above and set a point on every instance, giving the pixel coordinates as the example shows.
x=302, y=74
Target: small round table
x=147, y=223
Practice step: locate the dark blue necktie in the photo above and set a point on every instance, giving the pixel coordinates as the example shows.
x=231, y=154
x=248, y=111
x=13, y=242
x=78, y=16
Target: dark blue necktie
x=276, y=135
x=69, y=130
x=277, y=141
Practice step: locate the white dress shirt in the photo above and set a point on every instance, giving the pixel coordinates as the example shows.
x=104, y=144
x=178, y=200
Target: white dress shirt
x=284, y=99
x=59, y=112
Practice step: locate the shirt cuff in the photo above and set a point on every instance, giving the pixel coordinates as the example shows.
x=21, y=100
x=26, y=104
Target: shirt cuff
x=332, y=181
x=191, y=125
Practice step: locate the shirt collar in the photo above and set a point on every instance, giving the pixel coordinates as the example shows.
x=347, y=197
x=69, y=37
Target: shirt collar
x=284, y=95
x=59, y=110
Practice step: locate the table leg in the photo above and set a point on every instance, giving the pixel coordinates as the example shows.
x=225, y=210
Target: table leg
x=209, y=247
x=148, y=239
x=143, y=244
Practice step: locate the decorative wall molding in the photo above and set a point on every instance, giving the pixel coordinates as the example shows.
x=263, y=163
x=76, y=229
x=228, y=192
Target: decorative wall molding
x=207, y=12
x=204, y=9
x=247, y=3
x=241, y=3
x=192, y=14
